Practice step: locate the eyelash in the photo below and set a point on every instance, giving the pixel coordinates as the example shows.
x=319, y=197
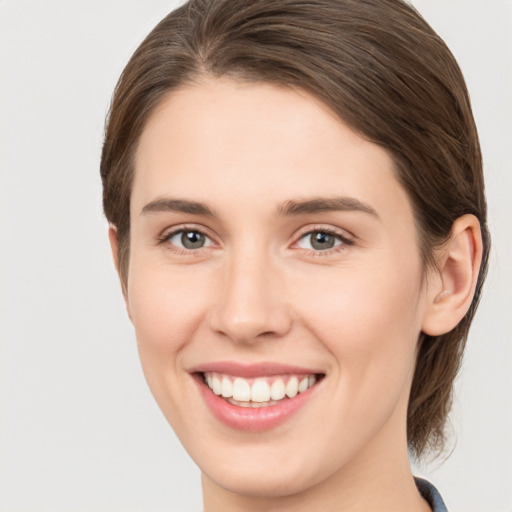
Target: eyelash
x=345, y=241
x=166, y=236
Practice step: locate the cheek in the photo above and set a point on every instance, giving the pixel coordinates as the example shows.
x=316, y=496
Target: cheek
x=166, y=308
x=369, y=317
x=369, y=322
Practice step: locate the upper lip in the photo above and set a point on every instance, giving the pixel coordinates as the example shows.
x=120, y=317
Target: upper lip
x=252, y=370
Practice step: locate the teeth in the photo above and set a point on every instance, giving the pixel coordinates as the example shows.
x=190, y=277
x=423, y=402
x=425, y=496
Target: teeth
x=251, y=404
x=241, y=390
x=227, y=387
x=303, y=384
x=258, y=392
x=292, y=387
x=277, y=390
x=216, y=386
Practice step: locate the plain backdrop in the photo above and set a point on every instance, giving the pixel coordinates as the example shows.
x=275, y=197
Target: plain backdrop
x=79, y=430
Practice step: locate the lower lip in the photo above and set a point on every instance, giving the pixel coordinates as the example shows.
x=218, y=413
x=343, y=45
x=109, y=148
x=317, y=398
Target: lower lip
x=253, y=419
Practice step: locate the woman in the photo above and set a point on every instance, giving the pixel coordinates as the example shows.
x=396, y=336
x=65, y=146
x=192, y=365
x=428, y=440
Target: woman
x=298, y=219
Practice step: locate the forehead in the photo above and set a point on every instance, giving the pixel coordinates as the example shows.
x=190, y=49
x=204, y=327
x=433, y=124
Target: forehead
x=257, y=144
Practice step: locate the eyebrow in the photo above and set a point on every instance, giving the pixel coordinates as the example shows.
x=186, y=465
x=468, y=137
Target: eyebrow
x=288, y=208
x=325, y=204
x=177, y=205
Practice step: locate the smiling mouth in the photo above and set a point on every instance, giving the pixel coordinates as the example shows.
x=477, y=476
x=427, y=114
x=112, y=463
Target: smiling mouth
x=261, y=391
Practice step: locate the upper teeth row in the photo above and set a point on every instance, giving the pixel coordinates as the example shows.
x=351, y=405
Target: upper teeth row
x=257, y=390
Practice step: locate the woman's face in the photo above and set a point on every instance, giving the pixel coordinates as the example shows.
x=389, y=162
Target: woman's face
x=273, y=252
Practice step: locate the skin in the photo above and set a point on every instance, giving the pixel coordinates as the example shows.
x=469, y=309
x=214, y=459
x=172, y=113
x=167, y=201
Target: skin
x=259, y=291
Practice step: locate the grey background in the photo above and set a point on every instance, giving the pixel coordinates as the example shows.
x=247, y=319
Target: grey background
x=79, y=430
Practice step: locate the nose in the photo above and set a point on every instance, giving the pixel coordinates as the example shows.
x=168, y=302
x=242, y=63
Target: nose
x=251, y=304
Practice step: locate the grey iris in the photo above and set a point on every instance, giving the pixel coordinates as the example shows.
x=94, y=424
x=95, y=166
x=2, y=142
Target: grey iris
x=192, y=240
x=322, y=241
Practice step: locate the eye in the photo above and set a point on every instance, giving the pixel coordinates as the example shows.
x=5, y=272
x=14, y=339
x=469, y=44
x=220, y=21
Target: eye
x=189, y=239
x=321, y=240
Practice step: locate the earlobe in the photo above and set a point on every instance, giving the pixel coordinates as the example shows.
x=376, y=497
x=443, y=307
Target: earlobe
x=459, y=263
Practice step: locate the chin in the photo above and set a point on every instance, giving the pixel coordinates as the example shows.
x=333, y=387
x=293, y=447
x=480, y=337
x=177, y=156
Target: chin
x=263, y=469
x=262, y=482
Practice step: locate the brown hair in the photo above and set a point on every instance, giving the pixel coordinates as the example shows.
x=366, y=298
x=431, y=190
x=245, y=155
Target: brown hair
x=382, y=69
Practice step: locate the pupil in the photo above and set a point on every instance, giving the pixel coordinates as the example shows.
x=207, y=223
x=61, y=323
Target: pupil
x=322, y=241
x=192, y=240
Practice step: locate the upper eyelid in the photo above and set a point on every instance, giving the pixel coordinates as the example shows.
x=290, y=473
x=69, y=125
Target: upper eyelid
x=185, y=227
x=169, y=232
x=342, y=233
x=346, y=238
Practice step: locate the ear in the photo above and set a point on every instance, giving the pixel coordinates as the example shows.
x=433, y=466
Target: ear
x=451, y=291
x=114, y=246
